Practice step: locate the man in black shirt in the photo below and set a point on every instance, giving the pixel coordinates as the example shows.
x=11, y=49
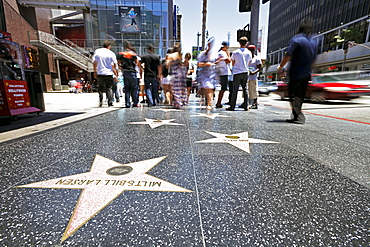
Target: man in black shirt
x=127, y=61
x=152, y=73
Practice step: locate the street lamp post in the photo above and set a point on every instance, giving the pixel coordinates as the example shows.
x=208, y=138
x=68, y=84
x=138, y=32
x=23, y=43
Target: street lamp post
x=368, y=30
x=228, y=36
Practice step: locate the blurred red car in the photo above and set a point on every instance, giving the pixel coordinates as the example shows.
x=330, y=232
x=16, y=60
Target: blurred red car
x=334, y=86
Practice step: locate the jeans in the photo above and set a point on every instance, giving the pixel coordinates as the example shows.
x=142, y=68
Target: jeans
x=115, y=93
x=131, y=88
x=240, y=79
x=297, y=92
x=105, y=83
x=151, y=90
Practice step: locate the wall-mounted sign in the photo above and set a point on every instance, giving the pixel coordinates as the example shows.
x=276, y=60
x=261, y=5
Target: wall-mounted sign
x=31, y=58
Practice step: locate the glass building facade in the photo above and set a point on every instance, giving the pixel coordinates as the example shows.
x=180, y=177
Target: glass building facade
x=139, y=22
x=330, y=18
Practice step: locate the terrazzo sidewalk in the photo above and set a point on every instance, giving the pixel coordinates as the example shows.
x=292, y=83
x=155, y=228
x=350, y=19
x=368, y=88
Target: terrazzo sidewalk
x=163, y=177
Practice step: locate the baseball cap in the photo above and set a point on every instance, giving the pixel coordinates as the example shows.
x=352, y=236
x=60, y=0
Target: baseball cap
x=225, y=44
x=251, y=47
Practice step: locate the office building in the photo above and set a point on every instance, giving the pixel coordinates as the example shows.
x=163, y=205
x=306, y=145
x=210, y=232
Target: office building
x=330, y=18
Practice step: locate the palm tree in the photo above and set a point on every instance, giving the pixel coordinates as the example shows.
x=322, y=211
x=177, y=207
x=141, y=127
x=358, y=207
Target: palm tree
x=204, y=21
x=349, y=37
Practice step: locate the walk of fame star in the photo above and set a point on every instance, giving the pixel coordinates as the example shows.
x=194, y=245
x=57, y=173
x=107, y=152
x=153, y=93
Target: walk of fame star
x=154, y=123
x=105, y=181
x=239, y=140
x=210, y=115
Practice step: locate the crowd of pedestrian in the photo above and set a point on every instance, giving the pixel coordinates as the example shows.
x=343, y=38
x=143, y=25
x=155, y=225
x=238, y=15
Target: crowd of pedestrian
x=169, y=81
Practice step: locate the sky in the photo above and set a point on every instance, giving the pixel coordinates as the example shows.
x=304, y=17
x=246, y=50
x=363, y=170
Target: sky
x=222, y=16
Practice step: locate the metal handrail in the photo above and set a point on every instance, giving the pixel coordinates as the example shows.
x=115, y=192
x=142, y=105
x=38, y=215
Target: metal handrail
x=80, y=49
x=52, y=40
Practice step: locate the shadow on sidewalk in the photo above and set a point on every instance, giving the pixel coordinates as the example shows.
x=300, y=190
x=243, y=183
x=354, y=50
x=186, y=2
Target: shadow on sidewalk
x=26, y=120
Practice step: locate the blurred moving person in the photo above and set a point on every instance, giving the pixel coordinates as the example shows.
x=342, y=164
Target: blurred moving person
x=166, y=81
x=207, y=75
x=128, y=60
x=105, y=62
x=301, y=53
x=178, y=73
x=189, y=75
x=152, y=75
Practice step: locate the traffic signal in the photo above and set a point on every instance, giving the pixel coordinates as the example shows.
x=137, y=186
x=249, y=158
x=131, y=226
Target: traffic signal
x=243, y=33
x=245, y=5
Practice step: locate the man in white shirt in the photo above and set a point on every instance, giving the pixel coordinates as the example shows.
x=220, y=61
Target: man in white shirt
x=254, y=67
x=105, y=64
x=241, y=59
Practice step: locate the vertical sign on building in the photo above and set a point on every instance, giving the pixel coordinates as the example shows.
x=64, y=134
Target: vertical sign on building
x=259, y=44
x=175, y=22
x=178, y=23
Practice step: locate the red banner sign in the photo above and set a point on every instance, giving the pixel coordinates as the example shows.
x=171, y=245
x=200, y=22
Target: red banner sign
x=14, y=95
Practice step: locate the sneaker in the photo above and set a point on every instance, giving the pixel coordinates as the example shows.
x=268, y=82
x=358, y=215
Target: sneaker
x=209, y=107
x=295, y=121
x=138, y=105
x=253, y=107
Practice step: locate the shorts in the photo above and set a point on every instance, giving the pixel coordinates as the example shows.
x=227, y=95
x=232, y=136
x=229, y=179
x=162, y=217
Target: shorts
x=252, y=89
x=224, y=82
x=141, y=82
x=189, y=82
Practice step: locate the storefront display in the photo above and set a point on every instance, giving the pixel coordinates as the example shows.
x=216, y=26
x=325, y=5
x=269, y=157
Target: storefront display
x=14, y=94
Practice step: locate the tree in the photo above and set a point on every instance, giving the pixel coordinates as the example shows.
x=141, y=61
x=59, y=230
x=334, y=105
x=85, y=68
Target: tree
x=204, y=21
x=348, y=39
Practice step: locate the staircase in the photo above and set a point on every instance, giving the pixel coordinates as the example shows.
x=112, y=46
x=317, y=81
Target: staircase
x=56, y=4
x=72, y=53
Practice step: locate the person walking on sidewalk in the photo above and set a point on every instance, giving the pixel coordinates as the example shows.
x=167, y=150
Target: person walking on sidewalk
x=152, y=75
x=223, y=67
x=167, y=81
x=301, y=53
x=105, y=64
x=189, y=75
x=207, y=75
x=254, y=67
x=241, y=59
x=127, y=62
x=178, y=73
